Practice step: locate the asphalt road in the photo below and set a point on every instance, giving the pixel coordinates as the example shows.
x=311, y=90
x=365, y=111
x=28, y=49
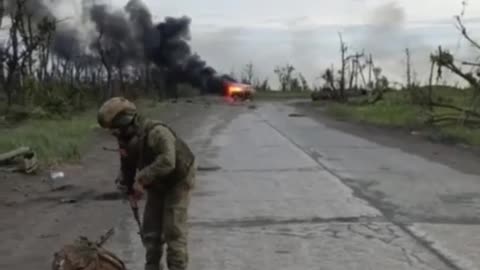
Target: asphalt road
x=280, y=192
x=292, y=193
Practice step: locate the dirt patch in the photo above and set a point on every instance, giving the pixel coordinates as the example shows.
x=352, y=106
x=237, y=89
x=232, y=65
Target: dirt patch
x=457, y=156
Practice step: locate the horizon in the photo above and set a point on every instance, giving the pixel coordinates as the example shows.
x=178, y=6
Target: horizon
x=308, y=38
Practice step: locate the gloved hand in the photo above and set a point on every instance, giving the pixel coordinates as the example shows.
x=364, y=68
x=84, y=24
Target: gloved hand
x=138, y=191
x=121, y=186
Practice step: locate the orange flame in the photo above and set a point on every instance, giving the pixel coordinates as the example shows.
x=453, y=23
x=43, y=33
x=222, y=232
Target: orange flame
x=234, y=89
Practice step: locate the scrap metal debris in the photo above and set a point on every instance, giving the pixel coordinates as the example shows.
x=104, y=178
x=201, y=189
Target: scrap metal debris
x=22, y=159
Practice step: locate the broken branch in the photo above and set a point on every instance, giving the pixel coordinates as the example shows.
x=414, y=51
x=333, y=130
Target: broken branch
x=14, y=153
x=463, y=30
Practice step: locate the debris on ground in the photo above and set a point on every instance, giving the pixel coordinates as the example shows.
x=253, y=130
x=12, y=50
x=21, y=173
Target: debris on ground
x=252, y=106
x=209, y=168
x=57, y=175
x=62, y=188
x=84, y=254
x=68, y=200
x=22, y=159
x=110, y=149
x=296, y=115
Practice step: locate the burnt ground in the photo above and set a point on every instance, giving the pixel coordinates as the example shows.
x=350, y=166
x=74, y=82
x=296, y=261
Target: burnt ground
x=278, y=191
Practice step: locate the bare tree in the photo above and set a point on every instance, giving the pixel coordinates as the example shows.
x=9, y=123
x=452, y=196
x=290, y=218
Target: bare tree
x=105, y=52
x=16, y=54
x=284, y=75
x=343, y=52
x=408, y=69
x=445, y=59
x=248, y=73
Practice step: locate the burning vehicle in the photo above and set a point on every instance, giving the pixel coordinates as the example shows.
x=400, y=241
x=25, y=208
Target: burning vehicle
x=239, y=91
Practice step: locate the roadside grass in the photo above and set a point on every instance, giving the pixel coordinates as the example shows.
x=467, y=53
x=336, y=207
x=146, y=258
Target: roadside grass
x=150, y=107
x=268, y=95
x=57, y=141
x=53, y=140
x=381, y=114
x=396, y=110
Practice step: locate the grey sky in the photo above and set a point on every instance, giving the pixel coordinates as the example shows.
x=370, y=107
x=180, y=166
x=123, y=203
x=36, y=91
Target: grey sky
x=228, y=34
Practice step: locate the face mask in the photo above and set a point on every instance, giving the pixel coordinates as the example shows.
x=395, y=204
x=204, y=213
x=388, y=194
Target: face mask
x=123, y=128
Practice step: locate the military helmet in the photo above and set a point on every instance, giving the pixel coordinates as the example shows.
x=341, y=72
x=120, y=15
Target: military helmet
x=116, y=112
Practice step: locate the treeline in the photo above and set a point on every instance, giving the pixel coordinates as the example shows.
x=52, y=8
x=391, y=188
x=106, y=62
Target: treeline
x=48, y=67
x=288, y=78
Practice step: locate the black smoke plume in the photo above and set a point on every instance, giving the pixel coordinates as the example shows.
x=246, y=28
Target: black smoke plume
x=131, y=37
x=166, y=44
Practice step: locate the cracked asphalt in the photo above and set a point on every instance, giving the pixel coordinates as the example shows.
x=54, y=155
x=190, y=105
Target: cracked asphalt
x=279, y=198
x=275, y=192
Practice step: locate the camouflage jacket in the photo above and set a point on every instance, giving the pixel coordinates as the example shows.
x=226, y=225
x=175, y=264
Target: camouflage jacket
x=156, y=155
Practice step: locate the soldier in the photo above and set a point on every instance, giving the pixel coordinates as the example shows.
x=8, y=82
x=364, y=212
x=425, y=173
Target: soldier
x=155, y=160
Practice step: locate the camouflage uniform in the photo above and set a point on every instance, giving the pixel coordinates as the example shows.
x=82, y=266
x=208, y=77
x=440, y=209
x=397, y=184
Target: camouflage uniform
x=152, y=153
x=167, y=166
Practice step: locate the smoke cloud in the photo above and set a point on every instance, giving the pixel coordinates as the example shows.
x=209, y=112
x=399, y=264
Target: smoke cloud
x=129, y=35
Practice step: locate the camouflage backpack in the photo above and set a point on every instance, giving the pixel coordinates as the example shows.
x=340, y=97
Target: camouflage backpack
x=86, y=255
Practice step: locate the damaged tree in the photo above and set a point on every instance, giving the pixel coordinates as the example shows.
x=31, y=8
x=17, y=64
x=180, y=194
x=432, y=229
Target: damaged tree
x=17, y=54
x=284, y=74
x=50, y=63
x=467, y=116
x=343, y=50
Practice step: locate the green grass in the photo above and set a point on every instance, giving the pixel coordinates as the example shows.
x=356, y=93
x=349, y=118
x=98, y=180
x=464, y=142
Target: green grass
x=380, y=114
x=58, y=141
x=150, y=108
x=396, y=110
x=54, y=141
x=280, y=95
x=462, y=135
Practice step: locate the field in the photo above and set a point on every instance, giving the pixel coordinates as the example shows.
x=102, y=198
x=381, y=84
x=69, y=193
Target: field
x=397, y=111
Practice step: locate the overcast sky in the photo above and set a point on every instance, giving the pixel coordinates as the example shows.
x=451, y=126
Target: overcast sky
x=228, y=34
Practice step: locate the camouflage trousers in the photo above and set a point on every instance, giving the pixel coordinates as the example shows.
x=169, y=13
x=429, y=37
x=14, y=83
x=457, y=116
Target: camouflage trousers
x=165, y=222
